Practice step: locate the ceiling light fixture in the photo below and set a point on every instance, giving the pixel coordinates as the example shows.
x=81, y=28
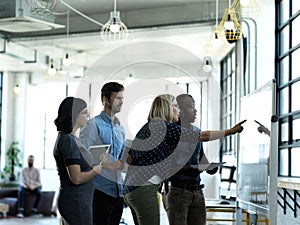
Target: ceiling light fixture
x=114, y=29
x=207, y=66
x=244, y=2
x=246, y=8
x=67, y=61
x=229, y=26
x=17, y=89
x=42, y=7
x=51, y=69
x=215, y=41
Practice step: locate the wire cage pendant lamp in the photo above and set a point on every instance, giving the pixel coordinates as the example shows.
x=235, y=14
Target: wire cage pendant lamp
x=246, y=8
x=216, y=41
x=230, y=26
x=114, y=28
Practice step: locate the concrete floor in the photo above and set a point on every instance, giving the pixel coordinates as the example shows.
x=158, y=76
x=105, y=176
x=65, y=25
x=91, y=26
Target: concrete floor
x=31, y=220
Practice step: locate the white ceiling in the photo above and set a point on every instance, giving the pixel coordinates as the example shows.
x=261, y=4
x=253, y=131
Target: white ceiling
x=86, y=46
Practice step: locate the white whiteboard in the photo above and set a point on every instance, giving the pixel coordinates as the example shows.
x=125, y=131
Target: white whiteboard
x=257, y=164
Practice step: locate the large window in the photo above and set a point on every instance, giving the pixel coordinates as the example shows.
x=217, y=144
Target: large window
x=40, y=131
x=228, y=105
x=288, y=77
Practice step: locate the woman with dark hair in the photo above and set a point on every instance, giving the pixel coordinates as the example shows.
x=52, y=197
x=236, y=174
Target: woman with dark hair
x=74, y=164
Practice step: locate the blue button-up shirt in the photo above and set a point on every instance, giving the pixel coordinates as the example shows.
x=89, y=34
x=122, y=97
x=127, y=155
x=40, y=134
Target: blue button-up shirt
x=101, y=130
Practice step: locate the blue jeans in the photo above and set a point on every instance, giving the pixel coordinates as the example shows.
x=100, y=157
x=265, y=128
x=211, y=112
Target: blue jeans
x=21, y=194
x=185, y=207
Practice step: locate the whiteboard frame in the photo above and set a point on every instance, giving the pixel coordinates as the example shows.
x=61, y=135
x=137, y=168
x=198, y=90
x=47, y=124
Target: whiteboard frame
x=252, y=208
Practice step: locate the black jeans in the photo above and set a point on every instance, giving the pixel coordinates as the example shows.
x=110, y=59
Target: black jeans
x=107, y=210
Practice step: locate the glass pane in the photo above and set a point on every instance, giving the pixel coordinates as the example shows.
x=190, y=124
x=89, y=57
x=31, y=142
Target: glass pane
x=224, y=89
x=230, y=104
x=295, y=169
x=227, y=144
x=224, y=72
x=229, y=88
x=296, y=129
x=229, y=65
x=41, y=142
x=223, y=122
x=73, y=88
x=284, y=10
x=295, y=33
x=284, y=70
x=284, y=161
x=233, y=60
x=233, y=82
x=224, y=107
x=295, y=96
x=295, y=63
x=284, y=132
x=296, y=6
x=284, y=101
x=228, y=124
x=284, y=40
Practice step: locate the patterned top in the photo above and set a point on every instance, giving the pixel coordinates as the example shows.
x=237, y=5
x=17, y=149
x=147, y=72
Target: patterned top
x=153, y=152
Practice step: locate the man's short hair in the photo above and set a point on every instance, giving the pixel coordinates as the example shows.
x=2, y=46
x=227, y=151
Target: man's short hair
x=109, y=88
x=181, y=100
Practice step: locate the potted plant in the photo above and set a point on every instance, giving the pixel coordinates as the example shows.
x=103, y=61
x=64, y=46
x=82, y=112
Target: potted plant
x=12, y=162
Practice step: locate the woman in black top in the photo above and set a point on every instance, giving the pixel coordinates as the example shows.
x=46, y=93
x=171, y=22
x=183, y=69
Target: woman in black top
x=74, y=164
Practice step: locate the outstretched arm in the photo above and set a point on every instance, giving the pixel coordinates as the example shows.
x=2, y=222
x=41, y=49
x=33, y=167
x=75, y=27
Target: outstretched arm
x=211, y=135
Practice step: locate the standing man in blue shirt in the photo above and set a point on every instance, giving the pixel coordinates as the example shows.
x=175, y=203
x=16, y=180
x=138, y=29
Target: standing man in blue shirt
x=105, y=128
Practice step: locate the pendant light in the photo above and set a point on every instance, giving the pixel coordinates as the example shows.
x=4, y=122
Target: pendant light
x=51, y=69
x=215, y=41
x=17, y=89
x=207, y=66
x=114, y=29
x=42, y=7
x=67, y=61
x=230, y=26
x=246, y=8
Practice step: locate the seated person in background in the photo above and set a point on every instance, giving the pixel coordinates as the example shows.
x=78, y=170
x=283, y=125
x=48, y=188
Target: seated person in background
x=30, y=181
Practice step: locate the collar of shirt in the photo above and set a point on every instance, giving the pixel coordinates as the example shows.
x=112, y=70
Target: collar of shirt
x=107, y=118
